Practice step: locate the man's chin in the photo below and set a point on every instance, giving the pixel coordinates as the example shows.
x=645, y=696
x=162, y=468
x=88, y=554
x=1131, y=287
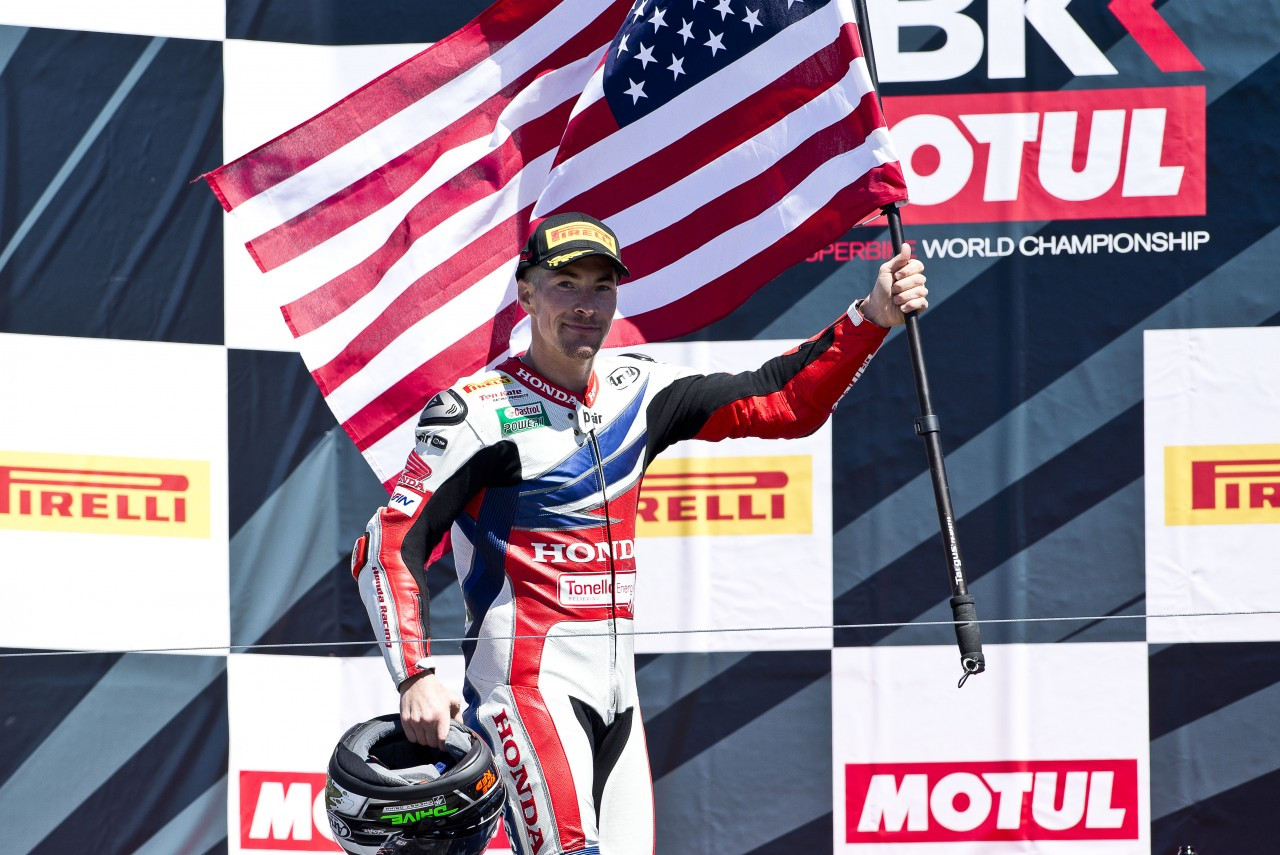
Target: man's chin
x=581, y=349
x=580, y=352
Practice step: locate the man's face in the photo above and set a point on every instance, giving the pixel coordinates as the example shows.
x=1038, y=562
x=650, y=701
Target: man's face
x=570, y=309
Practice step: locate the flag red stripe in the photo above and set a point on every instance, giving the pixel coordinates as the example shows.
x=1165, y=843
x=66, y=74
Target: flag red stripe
x=730, y=129
x=405, y=398
x=438, y=286
x=666, y=246
x=384, y=184
x=376, y=101
x=706, y=305
x=741, y=203
x=703, y=306
x=747, y=199
x=473, y=184
x=726, y=292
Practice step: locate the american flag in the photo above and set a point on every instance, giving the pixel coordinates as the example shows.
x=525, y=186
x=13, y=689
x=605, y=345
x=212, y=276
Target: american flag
x=723, y=140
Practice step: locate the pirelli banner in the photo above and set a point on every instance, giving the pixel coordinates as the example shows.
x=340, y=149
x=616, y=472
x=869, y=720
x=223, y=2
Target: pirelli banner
x=1213, y=481
x=718, y=523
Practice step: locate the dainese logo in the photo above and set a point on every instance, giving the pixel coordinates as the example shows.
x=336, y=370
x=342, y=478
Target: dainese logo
x=104, y=495
x=1222, y=484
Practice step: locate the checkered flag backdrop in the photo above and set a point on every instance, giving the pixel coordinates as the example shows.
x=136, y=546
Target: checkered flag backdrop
x=1091, y=196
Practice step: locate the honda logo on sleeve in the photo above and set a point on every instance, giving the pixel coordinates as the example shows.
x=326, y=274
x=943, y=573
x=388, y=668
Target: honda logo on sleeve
x=996, y=800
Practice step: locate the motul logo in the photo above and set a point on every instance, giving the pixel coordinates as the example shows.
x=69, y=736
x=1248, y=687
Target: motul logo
x=104, y=495
x=997, y=800
x=726, y=496
x=284, y=811
x=1222, y=484
x=1061, y=156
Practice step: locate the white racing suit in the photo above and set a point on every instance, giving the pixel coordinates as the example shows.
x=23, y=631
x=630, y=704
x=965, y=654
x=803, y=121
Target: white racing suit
x=539, y=488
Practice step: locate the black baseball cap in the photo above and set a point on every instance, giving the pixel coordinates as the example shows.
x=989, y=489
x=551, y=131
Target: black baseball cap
x=564, y=238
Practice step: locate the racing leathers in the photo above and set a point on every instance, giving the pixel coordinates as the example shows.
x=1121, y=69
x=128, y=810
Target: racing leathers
x=538, y=487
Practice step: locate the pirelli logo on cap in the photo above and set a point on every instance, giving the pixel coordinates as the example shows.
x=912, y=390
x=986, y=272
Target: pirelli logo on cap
x=104, y=495
x=580, y=231
x=1222, y=484
x=683, y=497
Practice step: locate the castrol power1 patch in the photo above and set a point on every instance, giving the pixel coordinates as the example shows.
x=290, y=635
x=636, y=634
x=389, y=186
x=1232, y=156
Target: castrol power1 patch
x=104, y=495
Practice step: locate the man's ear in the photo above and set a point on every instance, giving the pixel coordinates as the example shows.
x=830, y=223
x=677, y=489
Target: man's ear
x=524, y=293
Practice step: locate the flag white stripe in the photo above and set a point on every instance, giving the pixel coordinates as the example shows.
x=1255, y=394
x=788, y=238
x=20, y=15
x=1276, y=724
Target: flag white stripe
x=392, y=137
x=428, y=252
x=423, y=340
x=732, y=247
x=594, y=90
x=713, y=259
x=303, y=274
x=388, y=454
x=742, y=163
x=736, y=82
x=434, y=333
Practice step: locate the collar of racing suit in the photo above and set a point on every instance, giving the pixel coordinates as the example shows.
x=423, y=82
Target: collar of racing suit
x=548, y=389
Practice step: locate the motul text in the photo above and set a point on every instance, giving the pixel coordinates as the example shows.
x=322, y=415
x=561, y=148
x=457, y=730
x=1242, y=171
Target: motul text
x=284, y=811
x=996, y=800
x=1064, y=155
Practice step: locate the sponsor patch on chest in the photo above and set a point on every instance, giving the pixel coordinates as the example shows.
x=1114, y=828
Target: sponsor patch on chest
x=522, y=417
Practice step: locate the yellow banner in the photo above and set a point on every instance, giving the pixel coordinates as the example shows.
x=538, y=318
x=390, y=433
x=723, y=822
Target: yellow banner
x=682, y=497
x=1221, y=484
x=104, y=495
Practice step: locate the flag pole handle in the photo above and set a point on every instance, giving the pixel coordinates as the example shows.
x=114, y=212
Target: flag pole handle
x=963, y=611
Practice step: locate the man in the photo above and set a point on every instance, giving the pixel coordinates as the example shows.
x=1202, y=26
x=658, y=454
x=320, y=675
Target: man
x=536, y=468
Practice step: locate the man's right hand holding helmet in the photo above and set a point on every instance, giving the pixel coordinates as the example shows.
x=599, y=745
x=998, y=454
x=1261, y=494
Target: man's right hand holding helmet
x=426, y=708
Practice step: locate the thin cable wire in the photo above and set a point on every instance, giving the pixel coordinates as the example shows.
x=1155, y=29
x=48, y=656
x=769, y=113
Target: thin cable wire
x=698, y=631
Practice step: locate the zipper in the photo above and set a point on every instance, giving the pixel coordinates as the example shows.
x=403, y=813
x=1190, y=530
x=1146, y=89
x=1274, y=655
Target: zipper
x=613, y=577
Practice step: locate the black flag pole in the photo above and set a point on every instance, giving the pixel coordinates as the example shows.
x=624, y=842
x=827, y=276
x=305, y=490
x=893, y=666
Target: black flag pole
x=964, y=613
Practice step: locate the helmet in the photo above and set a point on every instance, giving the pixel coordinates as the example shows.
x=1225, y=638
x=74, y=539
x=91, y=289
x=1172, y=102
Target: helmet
x=388, y=795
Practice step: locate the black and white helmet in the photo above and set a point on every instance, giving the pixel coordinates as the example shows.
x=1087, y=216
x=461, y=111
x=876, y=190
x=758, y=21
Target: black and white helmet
x=387, y=795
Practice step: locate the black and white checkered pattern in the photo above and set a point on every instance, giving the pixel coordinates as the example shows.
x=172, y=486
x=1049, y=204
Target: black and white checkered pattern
x=129, y=327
